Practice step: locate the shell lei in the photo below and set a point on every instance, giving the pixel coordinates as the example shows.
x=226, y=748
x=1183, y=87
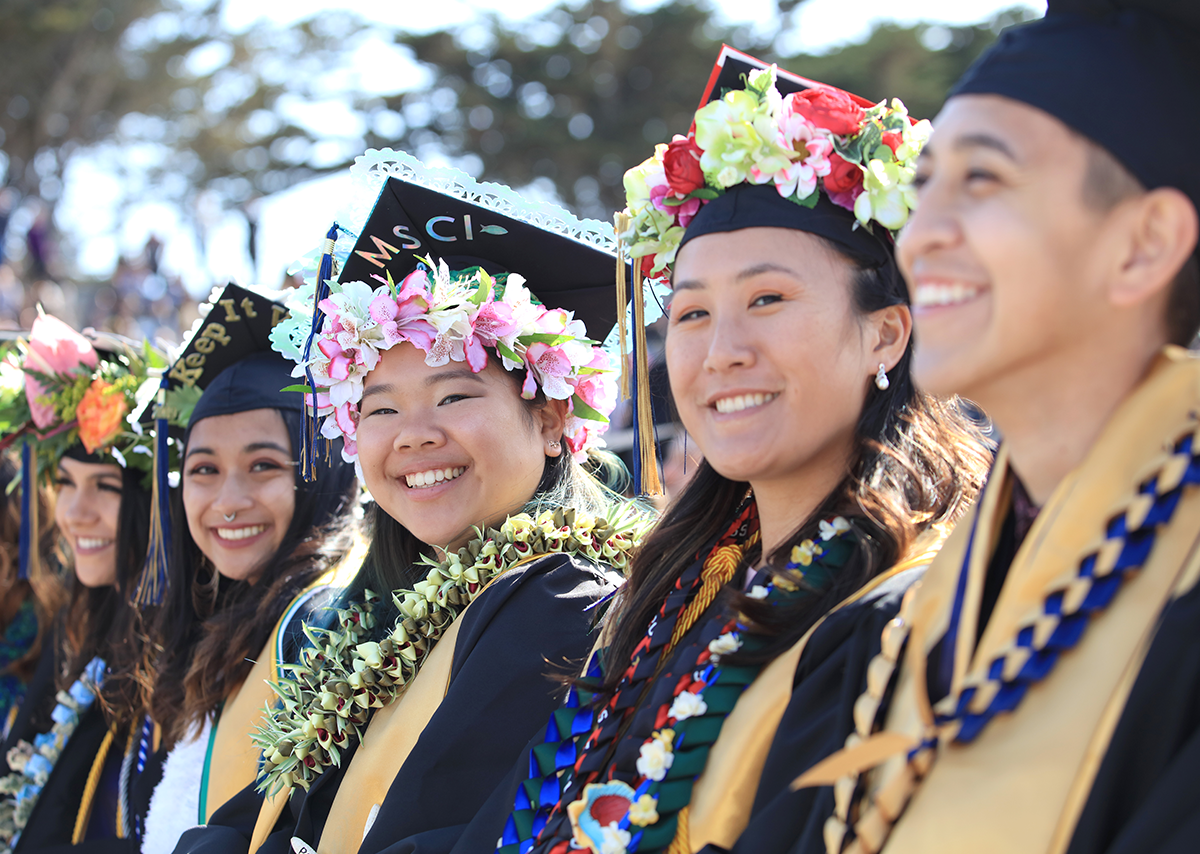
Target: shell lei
x=325, y=700
x=33, y=763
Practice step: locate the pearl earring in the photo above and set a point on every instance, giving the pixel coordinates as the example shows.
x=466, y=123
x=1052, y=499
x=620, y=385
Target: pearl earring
x=881, y=378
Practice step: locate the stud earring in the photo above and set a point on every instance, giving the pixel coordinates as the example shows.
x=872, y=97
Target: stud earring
x=554, y=446
x=881, y=378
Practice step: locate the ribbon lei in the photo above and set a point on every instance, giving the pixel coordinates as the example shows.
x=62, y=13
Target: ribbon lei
x=308, y=450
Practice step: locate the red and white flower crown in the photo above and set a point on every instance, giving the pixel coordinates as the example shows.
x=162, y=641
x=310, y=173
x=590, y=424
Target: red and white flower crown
x=818, y=139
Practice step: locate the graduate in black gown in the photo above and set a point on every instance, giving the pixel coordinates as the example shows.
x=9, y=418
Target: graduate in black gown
x=1044, y=690
x=74, y=428
x=471, y=398
x=825, y=479
x=256, y=549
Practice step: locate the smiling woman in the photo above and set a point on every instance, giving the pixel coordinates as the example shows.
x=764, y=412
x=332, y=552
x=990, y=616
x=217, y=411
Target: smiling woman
x=256, y=548
x=827, y=482
x=76, y=401
x=473, y=412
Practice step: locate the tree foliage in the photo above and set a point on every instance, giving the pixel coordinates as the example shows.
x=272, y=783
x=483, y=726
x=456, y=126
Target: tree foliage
x=568, y=101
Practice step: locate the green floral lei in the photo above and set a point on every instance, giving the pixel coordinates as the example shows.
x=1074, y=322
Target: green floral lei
x=325, y=703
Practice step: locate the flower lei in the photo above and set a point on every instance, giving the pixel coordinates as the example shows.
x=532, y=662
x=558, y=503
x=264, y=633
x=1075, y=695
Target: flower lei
x=327, y=698
x=813, y=140
x=451, y=316
x=32, y=764
x=641, y=813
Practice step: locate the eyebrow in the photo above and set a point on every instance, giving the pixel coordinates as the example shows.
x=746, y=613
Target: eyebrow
x=748, y=273
x=974, y=140
x=248, y=449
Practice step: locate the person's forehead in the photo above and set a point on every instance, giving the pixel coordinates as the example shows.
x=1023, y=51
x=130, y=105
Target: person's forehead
x=1025, y=133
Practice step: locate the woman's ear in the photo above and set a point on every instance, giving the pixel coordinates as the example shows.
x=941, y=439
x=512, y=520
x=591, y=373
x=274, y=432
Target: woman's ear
x=890, y=331
x=552, y=420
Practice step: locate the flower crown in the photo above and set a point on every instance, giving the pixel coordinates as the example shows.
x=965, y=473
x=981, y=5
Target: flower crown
x=812, y=140
x=73, y=396
x=450, y=316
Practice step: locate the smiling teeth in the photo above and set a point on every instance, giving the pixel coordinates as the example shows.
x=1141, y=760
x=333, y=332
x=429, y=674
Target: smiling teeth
x=422, y=479
x=939, y=295
x=240, y=533
x=91, y=542
x=744, y=401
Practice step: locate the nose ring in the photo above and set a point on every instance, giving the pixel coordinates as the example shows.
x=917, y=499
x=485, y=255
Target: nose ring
x=229, y=517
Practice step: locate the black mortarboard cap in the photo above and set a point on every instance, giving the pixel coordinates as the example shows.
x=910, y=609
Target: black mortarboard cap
x=755, y=206
x=410, y=222
x=230, y=355
x=732, y=65
x=1124, y=73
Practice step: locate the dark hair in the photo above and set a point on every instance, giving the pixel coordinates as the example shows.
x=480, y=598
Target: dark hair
x=47, y=593
x=101, y=621
x=1106, y=184
x=918, y=462
x=209, y=626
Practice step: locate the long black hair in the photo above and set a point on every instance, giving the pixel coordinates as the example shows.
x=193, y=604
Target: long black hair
x=918, y=462
x=209, y=626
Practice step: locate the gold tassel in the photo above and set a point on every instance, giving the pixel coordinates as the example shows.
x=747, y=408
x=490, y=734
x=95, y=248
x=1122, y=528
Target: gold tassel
x=647, y=446
x=622, y=225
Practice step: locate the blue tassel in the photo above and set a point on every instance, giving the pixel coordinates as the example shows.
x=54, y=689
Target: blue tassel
x=29, y=507
x=153, y=583
x=308, y=442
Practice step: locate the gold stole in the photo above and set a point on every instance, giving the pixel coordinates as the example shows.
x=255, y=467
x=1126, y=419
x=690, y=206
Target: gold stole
x=391, y=735
x=232, y=764
x=722, y=796
x=1022, y=784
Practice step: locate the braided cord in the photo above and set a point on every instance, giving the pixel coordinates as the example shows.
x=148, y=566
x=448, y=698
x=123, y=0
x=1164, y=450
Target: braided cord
x=1066, y=612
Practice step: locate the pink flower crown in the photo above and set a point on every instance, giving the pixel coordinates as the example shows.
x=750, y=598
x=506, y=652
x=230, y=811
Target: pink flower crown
x=817, y=139
x=450, y=316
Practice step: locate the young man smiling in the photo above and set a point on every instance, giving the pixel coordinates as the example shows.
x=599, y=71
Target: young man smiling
x=1041, y=690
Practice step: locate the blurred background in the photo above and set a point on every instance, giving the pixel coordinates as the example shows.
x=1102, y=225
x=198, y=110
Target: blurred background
x=152, y=149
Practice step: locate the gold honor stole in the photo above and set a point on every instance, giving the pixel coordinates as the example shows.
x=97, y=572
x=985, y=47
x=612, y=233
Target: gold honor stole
x=391, y=735
x=232, y=761
x=1022, y=783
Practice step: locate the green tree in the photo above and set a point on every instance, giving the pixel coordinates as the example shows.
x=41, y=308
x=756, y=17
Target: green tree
x=581, y=94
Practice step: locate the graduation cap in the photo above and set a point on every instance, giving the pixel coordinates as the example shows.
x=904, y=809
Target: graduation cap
x=227, y=366
x=1109, y=69
x=238, y=325
x=411, y=222
x=732, y=65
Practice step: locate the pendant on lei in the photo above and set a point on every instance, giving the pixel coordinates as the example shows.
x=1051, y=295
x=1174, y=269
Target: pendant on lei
x=616, y=817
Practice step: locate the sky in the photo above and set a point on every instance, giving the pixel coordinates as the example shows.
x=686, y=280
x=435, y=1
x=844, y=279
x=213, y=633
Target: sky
x=290, y=220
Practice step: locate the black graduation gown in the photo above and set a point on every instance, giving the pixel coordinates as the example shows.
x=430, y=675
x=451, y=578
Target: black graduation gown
x=530, y=622
x=52, y=823
x=1145, y=798
x=829, y=677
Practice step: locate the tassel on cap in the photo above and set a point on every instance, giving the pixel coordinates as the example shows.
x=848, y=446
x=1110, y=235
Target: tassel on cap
x=646, y=481
x=28, y=557
x=153, y=583
x=621, y=221
x=308, y=442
